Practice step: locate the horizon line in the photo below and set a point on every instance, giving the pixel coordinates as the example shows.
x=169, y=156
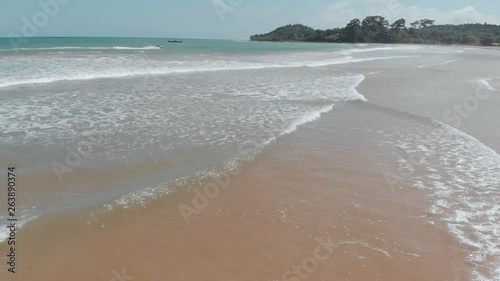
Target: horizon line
x=123, y=37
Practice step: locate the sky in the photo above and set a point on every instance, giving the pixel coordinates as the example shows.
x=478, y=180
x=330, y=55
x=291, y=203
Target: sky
x=219, y=19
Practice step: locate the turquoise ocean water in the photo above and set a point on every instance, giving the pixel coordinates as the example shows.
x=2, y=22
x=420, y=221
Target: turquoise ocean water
x=188, y=46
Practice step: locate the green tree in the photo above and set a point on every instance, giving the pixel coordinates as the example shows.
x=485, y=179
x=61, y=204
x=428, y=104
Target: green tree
x=375, y=23
x=427, y=23
x=415, y=24
x=352, y=31
x=487, y=41
x=469, y=40
x=375, y=29
x=399, y=24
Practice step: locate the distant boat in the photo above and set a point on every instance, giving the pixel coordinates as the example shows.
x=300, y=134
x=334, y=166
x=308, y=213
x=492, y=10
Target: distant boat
x=174, y=41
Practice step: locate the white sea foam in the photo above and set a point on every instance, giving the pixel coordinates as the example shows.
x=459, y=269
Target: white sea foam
x=463, y=181
x=136, y=48
x=365, y=50
x=484, y=82
x=41, y=70
x=306, y=118
x=138, y=119
x=81, y=48
x=441, y=63
x=202, y=113
x=349, y=60
x=23, y=218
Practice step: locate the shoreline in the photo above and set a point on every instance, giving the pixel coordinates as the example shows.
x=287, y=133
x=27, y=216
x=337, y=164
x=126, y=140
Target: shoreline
x=386, y=44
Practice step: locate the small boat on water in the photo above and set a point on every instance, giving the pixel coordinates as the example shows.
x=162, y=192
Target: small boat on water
x=174, y=41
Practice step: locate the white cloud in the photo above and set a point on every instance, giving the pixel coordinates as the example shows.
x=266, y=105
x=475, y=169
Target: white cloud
x=466, y=15
x=340, y=13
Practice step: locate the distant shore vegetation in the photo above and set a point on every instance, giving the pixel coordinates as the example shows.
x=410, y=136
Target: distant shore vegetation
x=376, y=29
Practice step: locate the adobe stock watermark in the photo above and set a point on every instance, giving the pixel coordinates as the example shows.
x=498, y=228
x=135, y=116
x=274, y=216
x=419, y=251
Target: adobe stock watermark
x=393, y=8
x=76, y=155
x=151, y=83
x=211, y=190
x=223, y=7
x=310, y=264
x=469, y=105
x=406, y=169
x=454, y=117
x=31, y=26
x=121, y=276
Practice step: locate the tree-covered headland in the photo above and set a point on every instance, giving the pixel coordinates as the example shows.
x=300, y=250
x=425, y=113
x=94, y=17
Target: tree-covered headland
x=376, y=29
